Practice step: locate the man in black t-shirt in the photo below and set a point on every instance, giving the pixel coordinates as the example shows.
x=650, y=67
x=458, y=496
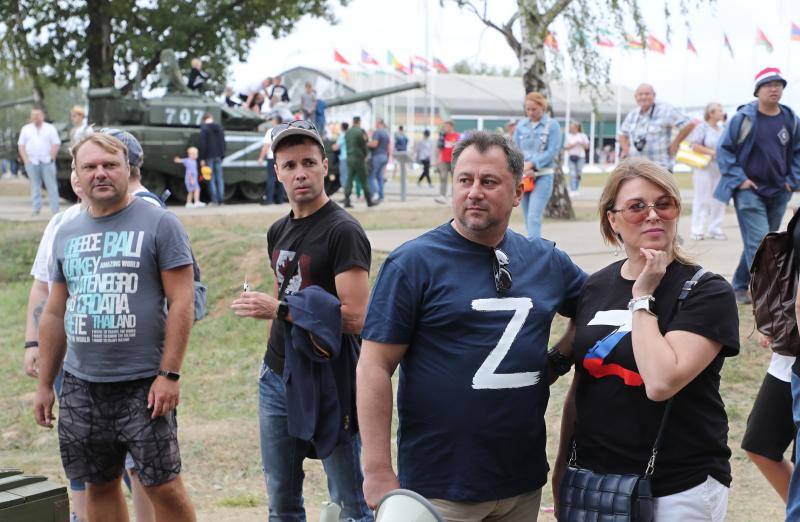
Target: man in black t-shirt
x=317, y=243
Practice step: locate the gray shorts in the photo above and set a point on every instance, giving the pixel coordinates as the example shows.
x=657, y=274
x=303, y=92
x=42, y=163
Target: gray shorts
x=100, y=422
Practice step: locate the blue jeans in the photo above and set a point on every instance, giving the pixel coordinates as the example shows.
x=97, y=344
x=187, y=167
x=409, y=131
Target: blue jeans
x=377, y=164
x=793, y=504
x=757, y=216
x=343, y=172
x=37, y=174
x=282, y=457
x=533, y=204
x=575, y=170
x=217, y=183
x=274, y=190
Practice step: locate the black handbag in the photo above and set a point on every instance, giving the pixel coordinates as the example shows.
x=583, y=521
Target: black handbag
x=588, y=496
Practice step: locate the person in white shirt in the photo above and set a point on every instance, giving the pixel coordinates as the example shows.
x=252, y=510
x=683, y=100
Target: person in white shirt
x=38, y=145
x=576, y=146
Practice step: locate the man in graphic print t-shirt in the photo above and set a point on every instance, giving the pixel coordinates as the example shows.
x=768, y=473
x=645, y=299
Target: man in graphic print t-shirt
x=114, y=266
x=465, y=310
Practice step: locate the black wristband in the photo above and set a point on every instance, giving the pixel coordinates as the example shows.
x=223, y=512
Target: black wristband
x=559, y=363
x=31, y=344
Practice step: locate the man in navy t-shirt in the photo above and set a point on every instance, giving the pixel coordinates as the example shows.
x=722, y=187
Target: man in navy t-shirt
x=465, y=310
x=759, y=158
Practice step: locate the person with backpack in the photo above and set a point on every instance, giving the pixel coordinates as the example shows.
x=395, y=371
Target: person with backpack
x=759, y=160
x=651, y=336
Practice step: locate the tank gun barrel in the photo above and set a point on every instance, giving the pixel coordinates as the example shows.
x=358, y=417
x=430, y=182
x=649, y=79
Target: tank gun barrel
x=366, y=95
x=20, y=101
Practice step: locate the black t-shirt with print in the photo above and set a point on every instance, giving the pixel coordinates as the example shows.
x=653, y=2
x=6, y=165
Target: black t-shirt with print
x=330, y=242
x=616, y=422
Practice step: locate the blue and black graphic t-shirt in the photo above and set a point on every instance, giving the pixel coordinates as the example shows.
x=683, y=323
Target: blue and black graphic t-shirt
x=616, y=422
x=766, y=165
x=473, y=383
x=112, y=266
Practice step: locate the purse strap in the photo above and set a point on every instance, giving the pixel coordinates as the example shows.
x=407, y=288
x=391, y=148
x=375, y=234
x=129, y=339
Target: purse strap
x=651, y=464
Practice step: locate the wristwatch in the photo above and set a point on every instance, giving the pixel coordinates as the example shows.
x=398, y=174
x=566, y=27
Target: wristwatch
x=645, y=302
x=173, y=376
x=559, y=362
x=282, y=311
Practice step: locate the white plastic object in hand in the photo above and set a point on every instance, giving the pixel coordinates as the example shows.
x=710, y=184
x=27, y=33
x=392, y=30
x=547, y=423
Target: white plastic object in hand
x=403, y=505
x=330, y=512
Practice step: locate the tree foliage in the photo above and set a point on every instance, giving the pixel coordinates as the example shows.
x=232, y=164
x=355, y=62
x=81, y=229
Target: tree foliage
x=481, y=68
x=527, y=28
x=115, y=41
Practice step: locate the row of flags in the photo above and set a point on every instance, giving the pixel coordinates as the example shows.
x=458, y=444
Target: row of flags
x=415, y=63
x=604, y=38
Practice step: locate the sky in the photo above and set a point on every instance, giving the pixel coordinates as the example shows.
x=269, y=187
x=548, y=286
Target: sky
x=679, y=77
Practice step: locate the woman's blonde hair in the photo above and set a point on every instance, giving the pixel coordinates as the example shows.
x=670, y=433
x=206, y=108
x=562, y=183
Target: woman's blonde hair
x=710, y=107
x=537, y=98
x=633, y=168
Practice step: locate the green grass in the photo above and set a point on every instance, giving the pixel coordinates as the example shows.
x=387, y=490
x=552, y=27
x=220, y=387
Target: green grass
x=219, y=432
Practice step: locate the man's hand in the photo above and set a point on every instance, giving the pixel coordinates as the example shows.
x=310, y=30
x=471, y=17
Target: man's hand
x=376, y=485
x=30, y=363
x=255, y=304
x=764, y=341
x=43, y=406
x=260, y=161
x=673, y=149
x=163, y=397
x=746, y=184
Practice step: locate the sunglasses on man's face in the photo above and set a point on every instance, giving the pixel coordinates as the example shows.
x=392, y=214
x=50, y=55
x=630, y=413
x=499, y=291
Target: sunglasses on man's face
x=637, y=211
x=297, y=124
x=502, y=275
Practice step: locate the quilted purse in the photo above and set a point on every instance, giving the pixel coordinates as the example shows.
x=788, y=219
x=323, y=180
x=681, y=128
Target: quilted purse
x=588, y=496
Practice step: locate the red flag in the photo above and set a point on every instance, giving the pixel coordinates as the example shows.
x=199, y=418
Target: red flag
x=761, y=39
x=439, y=66
x=339, y=58
x=690, y=46
x=654, y=44
x=551, y=42
x=727, y=44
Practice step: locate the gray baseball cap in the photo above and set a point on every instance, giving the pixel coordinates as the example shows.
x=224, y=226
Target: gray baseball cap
x=295, y=128
x=135, y=152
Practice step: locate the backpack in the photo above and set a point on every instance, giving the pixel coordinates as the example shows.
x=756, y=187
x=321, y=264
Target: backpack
x=773, y=287
x=200, y=290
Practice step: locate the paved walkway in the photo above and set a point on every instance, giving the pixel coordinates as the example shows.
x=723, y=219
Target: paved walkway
x=580, y=239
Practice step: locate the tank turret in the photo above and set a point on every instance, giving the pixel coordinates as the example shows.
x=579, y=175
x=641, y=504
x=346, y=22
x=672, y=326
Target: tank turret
x=167, y=125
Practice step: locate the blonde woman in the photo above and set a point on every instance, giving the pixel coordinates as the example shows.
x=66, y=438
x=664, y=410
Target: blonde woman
x=539, y=138
x=707, y=212
x=634, y=348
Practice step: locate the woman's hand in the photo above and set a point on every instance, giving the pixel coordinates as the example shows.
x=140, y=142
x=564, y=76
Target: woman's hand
x=655, y=267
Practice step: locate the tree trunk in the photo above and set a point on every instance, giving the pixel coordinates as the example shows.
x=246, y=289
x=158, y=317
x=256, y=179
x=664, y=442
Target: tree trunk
x=99, y=53
x=535, y=78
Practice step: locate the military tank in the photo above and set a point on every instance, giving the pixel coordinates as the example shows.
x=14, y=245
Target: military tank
x=167, y=125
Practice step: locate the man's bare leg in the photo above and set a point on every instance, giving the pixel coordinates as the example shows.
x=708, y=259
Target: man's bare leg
x=171, y=502
x=105, y=502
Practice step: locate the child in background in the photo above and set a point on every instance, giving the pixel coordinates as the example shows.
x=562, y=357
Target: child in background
x=190, y=178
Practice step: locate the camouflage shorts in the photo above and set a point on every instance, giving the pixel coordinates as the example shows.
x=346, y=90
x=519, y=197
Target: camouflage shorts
x=99, y=422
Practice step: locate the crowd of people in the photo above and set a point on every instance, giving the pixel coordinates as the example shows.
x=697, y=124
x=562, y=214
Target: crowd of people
x=110, y=314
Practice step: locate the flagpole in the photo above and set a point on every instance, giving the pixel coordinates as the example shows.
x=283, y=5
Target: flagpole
x=719, y=74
